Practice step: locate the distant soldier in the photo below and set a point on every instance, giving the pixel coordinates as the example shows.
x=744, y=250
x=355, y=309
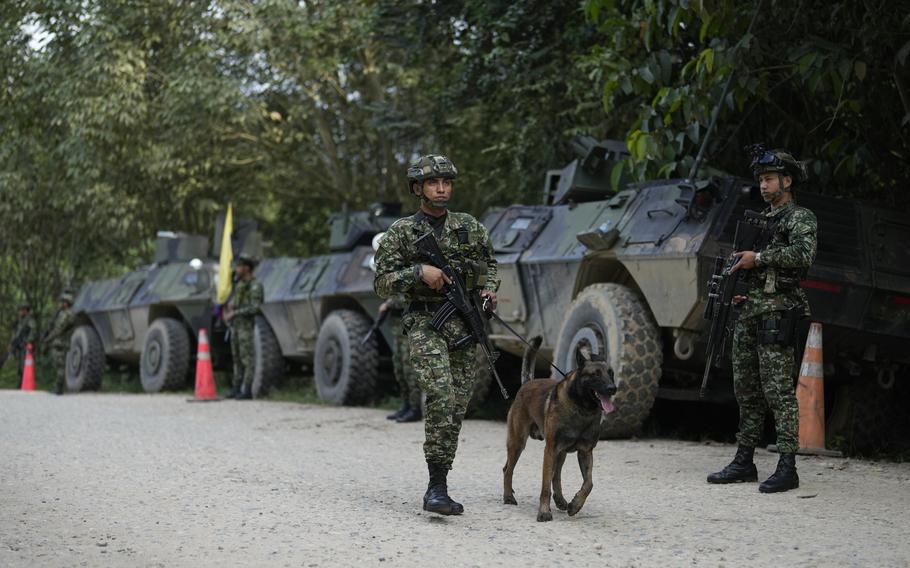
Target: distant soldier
x=241, y=316
x=24, y=332
x=764, y=337
x=58, y=338
x=408, y=388
x=445, y=373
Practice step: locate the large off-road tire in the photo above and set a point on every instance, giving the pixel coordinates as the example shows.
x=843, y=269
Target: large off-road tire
x=268, y=364
x=614, y=322
x=165, y=360
x=84, y=360
x=346, y=371
x=873, y=419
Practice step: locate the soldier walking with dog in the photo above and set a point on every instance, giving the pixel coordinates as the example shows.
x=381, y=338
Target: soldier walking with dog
x=764, y=337
x=442, y=359
x=241, y=316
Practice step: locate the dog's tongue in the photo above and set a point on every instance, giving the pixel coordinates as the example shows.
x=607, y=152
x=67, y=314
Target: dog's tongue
x=606, y=404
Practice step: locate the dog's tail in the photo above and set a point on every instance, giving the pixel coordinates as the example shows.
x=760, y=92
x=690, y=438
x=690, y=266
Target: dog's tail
x=529, y=359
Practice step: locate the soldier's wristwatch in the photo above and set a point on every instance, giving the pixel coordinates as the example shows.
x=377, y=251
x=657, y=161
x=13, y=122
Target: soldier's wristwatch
x=758, y=260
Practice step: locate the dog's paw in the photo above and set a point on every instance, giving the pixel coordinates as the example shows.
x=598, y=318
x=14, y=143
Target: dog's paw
x=560, y=502
x=573, y=509
x=509, y=500
x=544, y=516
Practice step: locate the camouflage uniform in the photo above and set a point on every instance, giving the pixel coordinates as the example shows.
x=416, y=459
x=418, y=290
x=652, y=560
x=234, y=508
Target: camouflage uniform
x=58, y=337
x=763, y=373
x=26, y=332
x=445, y=374
x=401, y=360
x=248, y=296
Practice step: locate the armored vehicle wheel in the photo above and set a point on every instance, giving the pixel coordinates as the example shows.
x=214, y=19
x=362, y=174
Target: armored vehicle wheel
x=612, y=321
x=165, y=359
x=84, y=360
x=345, y=371
x=268, y=364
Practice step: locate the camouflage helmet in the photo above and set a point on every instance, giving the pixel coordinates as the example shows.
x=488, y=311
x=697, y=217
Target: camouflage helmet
x=25, y=306
x=66, y=296
x=778, y=161
x=429, y=167
x=247, y=259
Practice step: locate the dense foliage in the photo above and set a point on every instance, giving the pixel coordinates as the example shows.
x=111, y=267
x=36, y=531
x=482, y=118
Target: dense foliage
x=121, y=118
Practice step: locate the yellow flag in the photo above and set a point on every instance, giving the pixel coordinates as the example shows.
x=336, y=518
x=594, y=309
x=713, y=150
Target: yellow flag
x=227, y=258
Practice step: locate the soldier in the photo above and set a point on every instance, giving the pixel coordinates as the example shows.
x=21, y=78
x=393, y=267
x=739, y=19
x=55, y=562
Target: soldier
x=764, y=335
x=25, y=332
x=58, y=337
x=445, y=374
x=401, y=361
x=241, y=316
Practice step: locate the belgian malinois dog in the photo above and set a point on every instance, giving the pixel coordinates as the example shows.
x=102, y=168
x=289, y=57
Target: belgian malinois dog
x=565, y=414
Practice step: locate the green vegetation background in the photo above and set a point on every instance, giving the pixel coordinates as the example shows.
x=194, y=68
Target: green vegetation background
x=121, y=118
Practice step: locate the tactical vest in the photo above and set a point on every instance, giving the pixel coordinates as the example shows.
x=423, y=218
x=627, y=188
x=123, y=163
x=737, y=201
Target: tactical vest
x=773, y=279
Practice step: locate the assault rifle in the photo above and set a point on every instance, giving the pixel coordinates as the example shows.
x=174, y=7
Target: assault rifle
x=376, y=325
x=751, y=233
x=458, y=299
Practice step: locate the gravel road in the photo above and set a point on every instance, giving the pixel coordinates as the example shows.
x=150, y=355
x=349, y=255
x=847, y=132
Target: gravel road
x=139, y=480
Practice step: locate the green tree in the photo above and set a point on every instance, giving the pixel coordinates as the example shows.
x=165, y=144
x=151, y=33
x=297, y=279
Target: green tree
x=828, y=81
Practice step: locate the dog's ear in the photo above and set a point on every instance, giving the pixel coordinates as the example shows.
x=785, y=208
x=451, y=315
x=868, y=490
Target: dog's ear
x=582, y=356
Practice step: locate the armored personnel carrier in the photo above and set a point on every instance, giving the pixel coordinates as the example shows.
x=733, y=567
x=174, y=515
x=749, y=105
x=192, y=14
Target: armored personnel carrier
x=624, y=272
x=151, y=316
x=318, y=309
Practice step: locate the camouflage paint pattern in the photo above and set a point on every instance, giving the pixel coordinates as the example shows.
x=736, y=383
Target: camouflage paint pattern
x=405, y=376
x=445, y=375
x=763, y=374
x=58, y=338
x=247, y=303
x=774, y=286
x=762, y=380
x=397, y=257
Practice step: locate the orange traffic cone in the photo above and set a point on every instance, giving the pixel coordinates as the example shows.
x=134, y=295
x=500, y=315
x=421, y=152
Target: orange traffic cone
x=28, y=371
x=205, y=379
x=810, y=394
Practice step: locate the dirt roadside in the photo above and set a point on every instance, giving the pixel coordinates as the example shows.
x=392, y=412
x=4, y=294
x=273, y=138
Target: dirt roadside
x=139, y=480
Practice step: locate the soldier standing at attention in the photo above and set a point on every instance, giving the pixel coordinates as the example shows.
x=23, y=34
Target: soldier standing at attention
x=764, y=337
x=444, y=373
x=241, y=316
x=26, y=332
x=401, y=361
x=58, y=337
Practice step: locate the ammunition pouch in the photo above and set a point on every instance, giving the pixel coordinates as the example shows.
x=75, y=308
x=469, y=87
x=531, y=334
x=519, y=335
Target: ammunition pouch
x=779, y=328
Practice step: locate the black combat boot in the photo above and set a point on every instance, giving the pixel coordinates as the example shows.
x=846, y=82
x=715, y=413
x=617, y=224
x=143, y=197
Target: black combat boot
x=740, y=469
x=410, y=415
x=784, y=477
x=397, y=414
x=436, y=499
x=233, y=393
x=246, y=393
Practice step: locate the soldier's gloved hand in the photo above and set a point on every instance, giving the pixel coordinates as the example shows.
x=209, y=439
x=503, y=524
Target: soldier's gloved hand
x=489, y=300
x=744, y=259
x=433, y=277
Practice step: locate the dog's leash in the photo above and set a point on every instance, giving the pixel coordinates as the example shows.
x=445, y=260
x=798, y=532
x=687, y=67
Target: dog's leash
x=495, y=316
